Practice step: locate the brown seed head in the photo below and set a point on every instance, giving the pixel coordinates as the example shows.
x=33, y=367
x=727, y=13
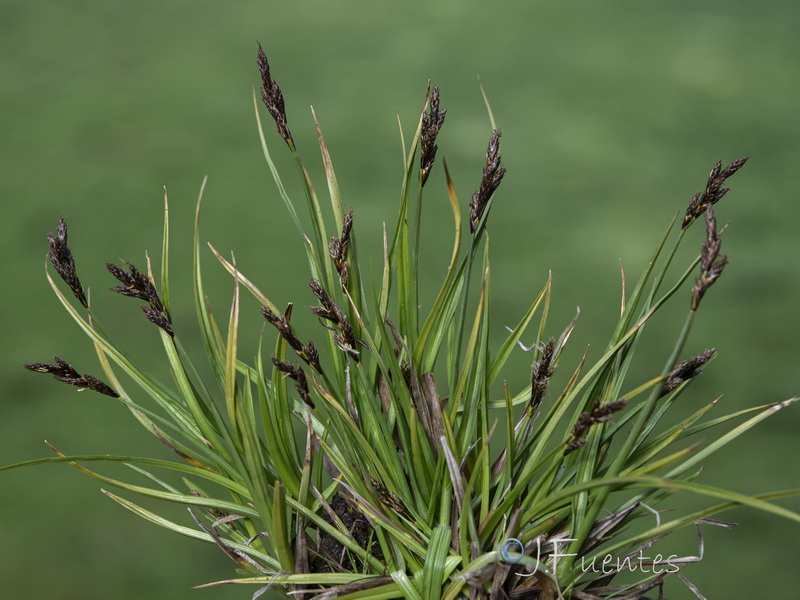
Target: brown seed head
x=686, y=370
x=574, y=444
x=432, y=122
x=157, y=317
x=344, y=336
x=338, y=248
x=281, y=323
x=600, y=413
x=297, y=375
x=311, y=356
x=63, y=262
x=541, y=372
x=492, y=176
x=712, y=262
x=329, y=311
x=272, y=97
x=136, y=284
x=346, y=339
x=64, y=372
x=714, y=191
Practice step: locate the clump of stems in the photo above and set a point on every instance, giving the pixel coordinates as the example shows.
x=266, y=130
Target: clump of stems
x=379, y=476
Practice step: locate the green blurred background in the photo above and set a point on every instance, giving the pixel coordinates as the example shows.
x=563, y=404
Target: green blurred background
x=612, y=115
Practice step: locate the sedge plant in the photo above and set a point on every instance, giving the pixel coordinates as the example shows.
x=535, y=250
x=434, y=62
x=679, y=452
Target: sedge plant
x=355, y=460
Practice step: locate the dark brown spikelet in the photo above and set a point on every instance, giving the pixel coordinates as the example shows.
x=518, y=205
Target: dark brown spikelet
x=338, y=249
x=712, y=262
x=714, y=191
x=297, y=375
x=574, y=444
x=311, y=356
x=686, y=370
x=492, y=176
x=281, y=323
x=272, y=97
x=344, y=336
x=346, y=339
x=329, y=311
x=158, y=317
x=600, y=413
x=63, y=262
x=432, y=122
x=541, y=372
x=307, y=352
x=136, y=284
x=63, y=371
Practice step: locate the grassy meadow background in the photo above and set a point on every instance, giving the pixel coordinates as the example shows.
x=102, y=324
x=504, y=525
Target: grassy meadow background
x=612, y=115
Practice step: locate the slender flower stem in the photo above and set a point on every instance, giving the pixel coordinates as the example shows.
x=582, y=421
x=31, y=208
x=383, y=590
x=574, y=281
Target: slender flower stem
x=415, y=263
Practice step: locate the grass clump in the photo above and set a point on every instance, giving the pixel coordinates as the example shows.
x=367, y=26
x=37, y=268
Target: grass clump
x=355, y=460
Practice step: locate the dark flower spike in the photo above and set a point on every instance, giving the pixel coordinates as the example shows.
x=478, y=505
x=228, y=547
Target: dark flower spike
x=329, y=311
x=600, y=413
x=281, y=323
x=686, y=370
x=272, y=97
x=346, y=339
x=714, y=191
x=492, y=176
x=157, y=317
x=311, y=355
x=64, y=372
x=136, y=284
x=541, y=372
x=297, y=375
x=574, y=444
x=307, y=352
x=133, y=285
x=338, y=248
x=712, y=262
x=63, y=262
x=432, y=122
